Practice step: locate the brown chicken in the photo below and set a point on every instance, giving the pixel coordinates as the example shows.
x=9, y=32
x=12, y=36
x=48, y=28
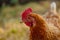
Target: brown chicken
x=52, y=18
x=40, y=28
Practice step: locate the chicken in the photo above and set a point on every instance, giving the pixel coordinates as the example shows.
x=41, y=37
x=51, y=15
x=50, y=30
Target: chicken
x=39, y=27
x=52, y=16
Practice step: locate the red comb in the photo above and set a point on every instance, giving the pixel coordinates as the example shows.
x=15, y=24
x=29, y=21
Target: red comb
x=24, y=15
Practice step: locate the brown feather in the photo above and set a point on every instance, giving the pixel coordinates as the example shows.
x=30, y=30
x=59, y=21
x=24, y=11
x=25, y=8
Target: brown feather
x=43, y=31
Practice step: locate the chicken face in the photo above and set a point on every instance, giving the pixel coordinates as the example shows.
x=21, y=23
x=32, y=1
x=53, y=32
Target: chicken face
x=26, y=19
x=31, y=20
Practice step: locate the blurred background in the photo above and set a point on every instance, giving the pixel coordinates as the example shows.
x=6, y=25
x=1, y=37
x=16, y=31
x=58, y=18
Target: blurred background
x=11, y=25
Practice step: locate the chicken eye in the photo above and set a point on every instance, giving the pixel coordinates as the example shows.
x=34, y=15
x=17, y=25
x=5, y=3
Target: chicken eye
x=28, y=19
